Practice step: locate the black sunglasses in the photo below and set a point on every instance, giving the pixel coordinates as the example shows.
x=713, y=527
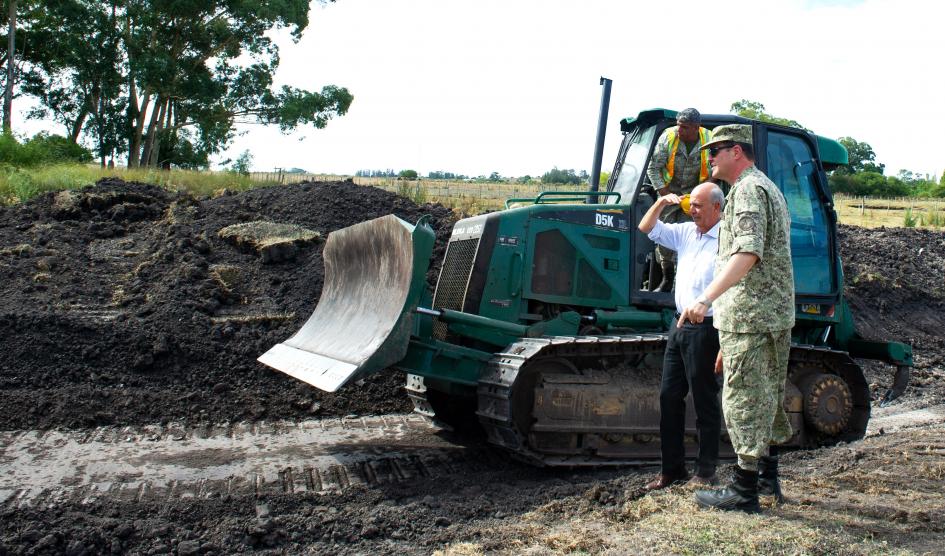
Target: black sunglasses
x=714, y=151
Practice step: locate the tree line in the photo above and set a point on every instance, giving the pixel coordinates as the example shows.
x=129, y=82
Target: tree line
x=864, y=175
x=553, y=176
x=158, y=82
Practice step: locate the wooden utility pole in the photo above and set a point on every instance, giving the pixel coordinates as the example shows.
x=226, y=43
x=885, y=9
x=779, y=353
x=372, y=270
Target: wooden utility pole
x=11, y=66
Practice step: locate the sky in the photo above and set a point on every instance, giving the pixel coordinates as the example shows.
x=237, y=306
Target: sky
x=513, y=86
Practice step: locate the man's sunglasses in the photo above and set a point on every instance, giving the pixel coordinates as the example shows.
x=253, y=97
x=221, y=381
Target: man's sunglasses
x=714, y=151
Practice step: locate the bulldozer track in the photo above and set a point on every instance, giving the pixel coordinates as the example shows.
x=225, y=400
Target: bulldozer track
x=496, y=387
x=242, y=459
x=502, y=375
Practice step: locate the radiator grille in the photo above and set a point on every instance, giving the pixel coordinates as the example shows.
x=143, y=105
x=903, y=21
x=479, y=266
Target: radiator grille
x=454, y=279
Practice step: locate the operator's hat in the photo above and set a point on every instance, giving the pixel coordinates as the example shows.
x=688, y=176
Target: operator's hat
x=732, y=133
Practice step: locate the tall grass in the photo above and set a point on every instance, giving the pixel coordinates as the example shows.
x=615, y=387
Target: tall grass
x=413, y=191
x=936, y=218
x=21, y=184
x=908, y=219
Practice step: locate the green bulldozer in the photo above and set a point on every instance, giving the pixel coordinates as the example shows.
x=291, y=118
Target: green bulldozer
x=542, y=328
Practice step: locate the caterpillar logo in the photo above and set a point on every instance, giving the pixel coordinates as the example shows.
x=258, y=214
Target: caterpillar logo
x=605, y=219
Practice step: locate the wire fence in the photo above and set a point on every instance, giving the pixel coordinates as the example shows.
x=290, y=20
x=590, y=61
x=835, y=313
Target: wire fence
x=486, y=195
x=889, y=203
x=908, y=212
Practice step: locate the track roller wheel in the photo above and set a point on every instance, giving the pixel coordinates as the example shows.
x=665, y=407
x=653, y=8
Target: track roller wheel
x=828, y=403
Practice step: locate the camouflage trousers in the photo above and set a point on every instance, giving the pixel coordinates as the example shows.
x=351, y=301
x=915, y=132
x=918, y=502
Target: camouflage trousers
x=672, y=214
x=755, y=368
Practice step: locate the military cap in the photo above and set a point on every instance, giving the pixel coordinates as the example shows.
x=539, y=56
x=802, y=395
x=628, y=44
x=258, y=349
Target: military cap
x=732, y=133
x=688, y=115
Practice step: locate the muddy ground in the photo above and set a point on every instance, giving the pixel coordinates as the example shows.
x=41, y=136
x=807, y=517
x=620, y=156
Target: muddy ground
x=113, y=312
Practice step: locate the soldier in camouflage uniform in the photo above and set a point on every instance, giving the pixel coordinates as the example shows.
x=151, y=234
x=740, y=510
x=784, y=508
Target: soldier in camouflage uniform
x=678, y=166
x=753, y=291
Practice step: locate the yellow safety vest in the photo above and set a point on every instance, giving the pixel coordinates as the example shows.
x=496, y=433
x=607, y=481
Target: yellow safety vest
x=674, y=145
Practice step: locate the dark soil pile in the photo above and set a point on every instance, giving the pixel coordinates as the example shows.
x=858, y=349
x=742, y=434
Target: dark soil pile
x=112, y=310
x=895, y=284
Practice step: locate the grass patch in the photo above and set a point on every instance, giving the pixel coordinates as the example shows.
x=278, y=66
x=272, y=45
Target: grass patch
x=412, y=190
x=21, y=184
x=679, y=527
x=250, y=319
x=460, y=549
x=908, y=220
x=936, y=218
x=868, y=277
x=20, y=250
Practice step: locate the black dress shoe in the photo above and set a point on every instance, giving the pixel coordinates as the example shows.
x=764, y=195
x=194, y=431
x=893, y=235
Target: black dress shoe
x=741, y=495
x=707, y=481
x=664, y=481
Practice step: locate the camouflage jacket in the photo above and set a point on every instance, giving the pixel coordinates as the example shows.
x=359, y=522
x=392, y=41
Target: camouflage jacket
x=756, y=220
x=687, y=165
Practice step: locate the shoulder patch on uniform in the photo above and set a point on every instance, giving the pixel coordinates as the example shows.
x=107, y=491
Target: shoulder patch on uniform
x=748, y=223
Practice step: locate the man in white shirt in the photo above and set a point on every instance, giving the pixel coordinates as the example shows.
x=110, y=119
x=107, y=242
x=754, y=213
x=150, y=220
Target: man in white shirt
x=689, y=361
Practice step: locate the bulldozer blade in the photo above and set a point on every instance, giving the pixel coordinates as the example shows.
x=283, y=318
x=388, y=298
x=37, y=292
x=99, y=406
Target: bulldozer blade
x=375, y=274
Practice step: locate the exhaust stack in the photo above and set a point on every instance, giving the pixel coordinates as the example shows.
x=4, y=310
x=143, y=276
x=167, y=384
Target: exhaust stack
x=599, y=144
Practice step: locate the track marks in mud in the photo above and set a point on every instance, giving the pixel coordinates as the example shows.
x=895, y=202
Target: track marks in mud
x=245, y=459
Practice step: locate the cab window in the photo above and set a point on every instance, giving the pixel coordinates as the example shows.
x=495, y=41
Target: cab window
x=636, y=149
x=791, y=166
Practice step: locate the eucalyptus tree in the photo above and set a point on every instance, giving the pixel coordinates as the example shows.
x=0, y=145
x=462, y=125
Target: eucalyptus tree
x=17, y=19
x=166, y=81
x=204, y=66
x=756, y=111
x=10, y=61
x=861, y=156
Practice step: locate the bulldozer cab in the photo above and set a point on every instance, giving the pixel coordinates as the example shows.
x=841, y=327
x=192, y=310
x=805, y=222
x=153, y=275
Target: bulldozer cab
x=794, y=159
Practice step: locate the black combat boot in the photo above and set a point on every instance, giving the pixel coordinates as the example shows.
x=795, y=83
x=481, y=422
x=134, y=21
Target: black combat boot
x=768, y=483
x=669, y=275
x=741, y=495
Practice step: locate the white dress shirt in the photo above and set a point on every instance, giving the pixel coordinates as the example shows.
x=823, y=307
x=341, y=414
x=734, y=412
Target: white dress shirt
x=695, y=253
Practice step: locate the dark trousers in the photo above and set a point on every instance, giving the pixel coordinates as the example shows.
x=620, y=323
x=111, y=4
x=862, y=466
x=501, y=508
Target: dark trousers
x=689, y=365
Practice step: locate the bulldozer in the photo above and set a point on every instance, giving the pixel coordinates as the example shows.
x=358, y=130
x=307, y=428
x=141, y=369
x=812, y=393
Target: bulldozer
x=542, y=329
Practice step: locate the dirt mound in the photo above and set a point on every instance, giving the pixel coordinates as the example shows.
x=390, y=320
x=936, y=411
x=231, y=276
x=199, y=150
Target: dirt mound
x=895, y=287
x=120, y=304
